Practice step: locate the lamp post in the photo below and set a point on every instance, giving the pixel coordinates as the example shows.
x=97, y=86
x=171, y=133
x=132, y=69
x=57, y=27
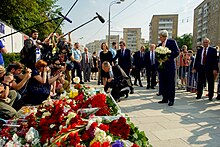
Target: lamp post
x=109, y=17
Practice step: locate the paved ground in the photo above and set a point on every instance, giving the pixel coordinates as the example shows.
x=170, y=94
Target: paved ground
x=189, y=123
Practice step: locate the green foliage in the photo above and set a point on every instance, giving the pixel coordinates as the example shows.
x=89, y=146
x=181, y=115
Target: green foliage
x=137, y=136
x=24, y=13
x=9, y=57
x=185, y=39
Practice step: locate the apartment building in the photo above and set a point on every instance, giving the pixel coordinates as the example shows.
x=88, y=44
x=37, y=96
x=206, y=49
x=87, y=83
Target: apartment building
x=163, y=22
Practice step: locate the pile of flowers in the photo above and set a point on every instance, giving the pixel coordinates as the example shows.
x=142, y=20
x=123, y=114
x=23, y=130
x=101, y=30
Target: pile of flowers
x=162, y=55
x=82, y=118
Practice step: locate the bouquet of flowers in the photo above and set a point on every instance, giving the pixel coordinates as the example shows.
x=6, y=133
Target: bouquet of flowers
x=162, y=55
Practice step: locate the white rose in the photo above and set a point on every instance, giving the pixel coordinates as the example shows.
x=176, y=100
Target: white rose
x=30, y=135
x=46, y=114
x=52, y=125
x=76, y=80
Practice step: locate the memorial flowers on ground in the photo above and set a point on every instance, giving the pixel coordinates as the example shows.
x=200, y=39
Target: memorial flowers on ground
x=85, y=118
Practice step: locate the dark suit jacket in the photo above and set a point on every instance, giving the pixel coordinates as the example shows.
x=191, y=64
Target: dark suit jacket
x=138, y=61
x=123, y=61
x=211, y=59
x=120, y=75
x=148, y=61
x=171, y=45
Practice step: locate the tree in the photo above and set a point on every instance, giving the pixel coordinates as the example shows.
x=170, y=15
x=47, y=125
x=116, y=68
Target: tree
x=21, y=14
x=185, y=39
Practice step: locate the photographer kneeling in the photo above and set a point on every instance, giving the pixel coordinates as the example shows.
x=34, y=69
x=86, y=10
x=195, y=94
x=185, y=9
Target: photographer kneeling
x=7, y=97
x=20, y=83
x=117, y=81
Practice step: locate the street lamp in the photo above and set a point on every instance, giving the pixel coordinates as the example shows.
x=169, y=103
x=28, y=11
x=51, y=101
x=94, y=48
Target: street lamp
x=109, y=17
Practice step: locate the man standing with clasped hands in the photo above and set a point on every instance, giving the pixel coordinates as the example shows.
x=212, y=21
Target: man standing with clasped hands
x=167, y=74
x=206, y=65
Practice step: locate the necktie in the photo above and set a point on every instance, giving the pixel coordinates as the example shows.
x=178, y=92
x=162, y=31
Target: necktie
x=122, y=52
x=152, y=58
x=87, y=60
x=204, y=57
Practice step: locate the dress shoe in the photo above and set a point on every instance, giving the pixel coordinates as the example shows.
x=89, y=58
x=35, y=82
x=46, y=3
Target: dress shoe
x=141, y=85
x=198, y=97
x=81, y=82
x=148, y=87
x=218, y=97
x=135, y=84
x=152, y=88
x=170, y=103
x=162, y=102
x=132, y=91
x=158, y=94
x=210, y=99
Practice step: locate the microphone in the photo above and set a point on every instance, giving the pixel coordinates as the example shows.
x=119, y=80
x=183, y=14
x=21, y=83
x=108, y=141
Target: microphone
x=100, y=18
x=67, y=19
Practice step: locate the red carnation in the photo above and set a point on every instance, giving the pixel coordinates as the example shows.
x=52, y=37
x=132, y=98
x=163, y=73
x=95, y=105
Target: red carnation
x=134, y=145
x=104, y=127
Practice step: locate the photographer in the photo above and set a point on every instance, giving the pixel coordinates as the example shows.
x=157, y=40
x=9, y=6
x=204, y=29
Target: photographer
x=7, y=97
x=117, y=81
x=20, y=82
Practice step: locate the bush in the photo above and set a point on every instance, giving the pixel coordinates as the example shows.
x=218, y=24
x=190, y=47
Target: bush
x=9, y=57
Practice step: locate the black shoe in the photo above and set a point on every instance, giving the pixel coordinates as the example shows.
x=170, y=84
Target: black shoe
x=210, y=99
x=218, y=98
x=88, y=80
x=198, y=97
x=152, y=88
x=158, y=94
x=81, y=82
x=148, y=87
x=132, y=91
x=162, y=102
x=170, y=103
x=135, y=84
x=141, y=85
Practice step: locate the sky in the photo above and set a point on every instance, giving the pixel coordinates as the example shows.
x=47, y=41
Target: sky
x=128, y=14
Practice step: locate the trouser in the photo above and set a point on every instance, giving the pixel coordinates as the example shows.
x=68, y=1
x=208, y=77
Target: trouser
x=137, y=76
x=151, y=76
x=86, y=72
x=167, y=84
x=77, y=67
x=204, y=75
x=6, y=109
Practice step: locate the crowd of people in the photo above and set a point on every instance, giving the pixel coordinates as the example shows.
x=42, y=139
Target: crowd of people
x=48, y=68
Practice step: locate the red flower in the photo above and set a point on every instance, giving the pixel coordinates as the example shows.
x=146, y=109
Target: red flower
x=104, y=127
x=134, y=145
x=96, y=144
x=74, y=138
x=106, y=144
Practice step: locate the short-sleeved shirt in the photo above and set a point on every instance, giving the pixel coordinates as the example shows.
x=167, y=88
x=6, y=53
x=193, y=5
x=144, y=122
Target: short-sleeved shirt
x=1, y=57
x=76, y=54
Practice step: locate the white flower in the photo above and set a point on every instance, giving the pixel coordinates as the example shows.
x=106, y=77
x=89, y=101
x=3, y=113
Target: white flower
x=30, y=135
x=46, y=114
x=52, y=125
x=9, y=144
x=15, y=138
x=69, y=117
x=108, y=139
x=76, y=80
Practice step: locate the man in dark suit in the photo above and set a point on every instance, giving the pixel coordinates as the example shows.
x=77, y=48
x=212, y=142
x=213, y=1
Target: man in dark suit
x=206, y=64
x=151, y=67
x=138, y=64
x=124, y=60
x=167, y=74
x=117, y=81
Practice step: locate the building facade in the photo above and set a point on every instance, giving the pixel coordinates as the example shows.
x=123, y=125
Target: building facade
x=207, y=23
x=132, y=37
x=113, y=38
x=163, y=22
x=94, y=46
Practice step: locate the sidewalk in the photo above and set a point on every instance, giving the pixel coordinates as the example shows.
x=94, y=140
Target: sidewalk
x=189, y=123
